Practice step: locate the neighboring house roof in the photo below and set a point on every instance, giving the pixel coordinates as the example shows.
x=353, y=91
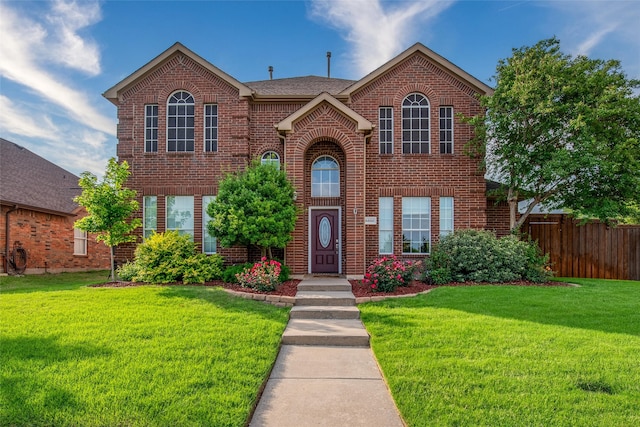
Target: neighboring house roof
x=29, y=181
x=308, y=86
x=362, y=124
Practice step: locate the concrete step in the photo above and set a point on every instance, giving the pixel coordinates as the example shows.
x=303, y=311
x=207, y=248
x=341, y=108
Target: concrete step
x=325, y=298
x=324, y=312
x=324, y=286
x=331, y=332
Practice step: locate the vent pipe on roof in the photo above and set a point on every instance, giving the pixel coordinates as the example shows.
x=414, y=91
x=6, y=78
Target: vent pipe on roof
x=270, y=72
x=328, y=65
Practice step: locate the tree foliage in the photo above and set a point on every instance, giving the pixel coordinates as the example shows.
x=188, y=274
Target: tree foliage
x=109, y=206
x=254, y=207
x=563, y=131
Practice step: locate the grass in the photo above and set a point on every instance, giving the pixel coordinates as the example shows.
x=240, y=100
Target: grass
x=140, y=356
x=512, y=356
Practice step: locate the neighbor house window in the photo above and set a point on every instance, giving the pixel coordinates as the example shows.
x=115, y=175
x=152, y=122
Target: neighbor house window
x=150, y=128
x=446, y=216
x=180, y=214
x=150, y=215
x=446, y=130
x=79, y=242
x=416, y=225
x=271, y=158
x=386, y=130
x=415, y=124
x=385, y=225
x=211, y=127
x=325, y=177
x=208, y=241
x=180, y=122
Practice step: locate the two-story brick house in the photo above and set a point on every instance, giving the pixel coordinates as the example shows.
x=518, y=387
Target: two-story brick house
x=377, y=163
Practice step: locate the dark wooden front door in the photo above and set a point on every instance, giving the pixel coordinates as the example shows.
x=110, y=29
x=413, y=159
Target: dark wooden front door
x=325, y=241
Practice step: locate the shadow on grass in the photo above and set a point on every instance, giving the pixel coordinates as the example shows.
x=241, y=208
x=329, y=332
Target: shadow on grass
x=607, y=307
x=28, y=397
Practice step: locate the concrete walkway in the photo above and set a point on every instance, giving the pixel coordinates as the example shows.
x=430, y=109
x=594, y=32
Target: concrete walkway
x=325, y=374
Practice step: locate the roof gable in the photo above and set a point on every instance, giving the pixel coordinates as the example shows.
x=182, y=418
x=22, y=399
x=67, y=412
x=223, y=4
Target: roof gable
x=112, y=93
x=30, y=181
x=431, y=56
x=362, y=124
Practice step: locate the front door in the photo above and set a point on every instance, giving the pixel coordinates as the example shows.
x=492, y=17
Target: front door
x=325, y=241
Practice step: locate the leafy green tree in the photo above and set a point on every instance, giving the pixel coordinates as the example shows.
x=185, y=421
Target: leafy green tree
x=109, y=205
x=563, y=131
x=254, y=207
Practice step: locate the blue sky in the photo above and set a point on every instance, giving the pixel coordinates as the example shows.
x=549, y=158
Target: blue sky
x=58, y=57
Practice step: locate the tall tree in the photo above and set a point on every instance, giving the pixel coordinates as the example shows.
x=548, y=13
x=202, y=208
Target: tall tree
x=563, y=131
x=254, y=207
x=109, y=205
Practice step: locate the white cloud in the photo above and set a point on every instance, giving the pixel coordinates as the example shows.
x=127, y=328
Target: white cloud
x=27, y=46
x=376, y=35
x=18, y=121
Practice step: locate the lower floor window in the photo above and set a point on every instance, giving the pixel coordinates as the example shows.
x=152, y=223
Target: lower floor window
x=208, y=241
x=150, y=215
x=79, y=242
x=416, y=225
x=180, y=214
x=446, y=216
x=385, y=229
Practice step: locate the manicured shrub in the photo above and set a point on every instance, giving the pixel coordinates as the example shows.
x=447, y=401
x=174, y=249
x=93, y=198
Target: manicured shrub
x=478, y=256
x=171, y=257
x=262, y=276
x=127, y=271
x=230, y=272
x=387, y=273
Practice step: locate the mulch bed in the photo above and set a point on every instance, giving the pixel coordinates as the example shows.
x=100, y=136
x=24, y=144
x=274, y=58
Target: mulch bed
x=289, y=288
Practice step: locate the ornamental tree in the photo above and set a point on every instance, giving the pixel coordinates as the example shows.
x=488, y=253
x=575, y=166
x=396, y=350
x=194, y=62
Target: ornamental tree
x=254, y=207
x=563, y=131
x=109, y=206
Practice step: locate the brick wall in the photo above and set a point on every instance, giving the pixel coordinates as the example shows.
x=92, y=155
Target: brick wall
x=49, y=241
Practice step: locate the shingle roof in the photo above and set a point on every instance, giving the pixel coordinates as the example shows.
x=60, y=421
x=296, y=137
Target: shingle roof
x=298, y=86
x=28, y=180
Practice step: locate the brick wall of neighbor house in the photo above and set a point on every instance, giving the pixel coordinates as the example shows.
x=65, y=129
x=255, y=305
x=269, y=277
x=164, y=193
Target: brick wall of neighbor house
x=498, y=217
x=49, y=242
x=246, y=131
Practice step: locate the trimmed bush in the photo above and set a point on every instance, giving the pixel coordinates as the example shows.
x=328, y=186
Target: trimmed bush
x=170, y=257
x=387, y=273
x=127, y=271
x=478, y=256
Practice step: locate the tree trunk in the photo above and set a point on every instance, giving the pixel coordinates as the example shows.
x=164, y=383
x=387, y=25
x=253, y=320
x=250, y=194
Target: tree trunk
x=113, y=270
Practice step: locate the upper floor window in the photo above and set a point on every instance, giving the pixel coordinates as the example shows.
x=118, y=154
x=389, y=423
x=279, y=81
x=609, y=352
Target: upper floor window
x=385, y=116
x=325, y=177
x=211, y=127
x=180, y=122
x=415, y=124
x=446, y=130
x=150, y=128
x=271, y=158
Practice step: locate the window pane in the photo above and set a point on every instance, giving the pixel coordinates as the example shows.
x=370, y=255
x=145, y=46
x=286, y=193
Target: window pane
x=150, y=215
x=385, y=225
x=416, y=225
x=446, y=216
x=180, y=122
x=208, y=241
x=180, y=214
x=325, y=177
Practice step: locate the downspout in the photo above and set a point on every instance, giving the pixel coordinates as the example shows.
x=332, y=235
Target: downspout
x=7, y=238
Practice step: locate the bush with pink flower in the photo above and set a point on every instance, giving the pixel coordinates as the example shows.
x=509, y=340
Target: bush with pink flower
x=262, y=276
x=385, y=274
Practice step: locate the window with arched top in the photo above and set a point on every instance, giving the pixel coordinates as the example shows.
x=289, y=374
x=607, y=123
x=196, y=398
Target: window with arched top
x=415, y=124
x=271, y=158
x=325, y=177
x=180, y=122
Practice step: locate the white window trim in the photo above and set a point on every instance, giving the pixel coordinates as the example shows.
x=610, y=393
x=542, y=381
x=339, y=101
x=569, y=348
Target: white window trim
x=80, y=236
x=147, y=128
x=385, y=230
x=204, y=123
x=331, y=183
x=428, y=130
x=205, y=219
x=145, y=228
x=268, y=158
x=428, y=229
x=444, y=228
x=167, y=123
x=380, y=142
x=452, y=129
x=189, y=231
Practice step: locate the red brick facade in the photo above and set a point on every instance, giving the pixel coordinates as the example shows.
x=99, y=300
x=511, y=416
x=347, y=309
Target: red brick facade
x=300, y=128
x=49, y=242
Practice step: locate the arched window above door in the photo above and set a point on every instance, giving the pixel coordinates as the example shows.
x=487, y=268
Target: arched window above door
x=325, y=177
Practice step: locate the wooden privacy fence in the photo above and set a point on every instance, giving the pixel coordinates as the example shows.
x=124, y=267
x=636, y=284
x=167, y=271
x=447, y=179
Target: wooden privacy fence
x=591, y=250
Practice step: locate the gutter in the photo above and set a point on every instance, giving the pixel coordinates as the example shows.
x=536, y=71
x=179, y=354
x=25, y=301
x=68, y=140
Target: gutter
x=7, y=238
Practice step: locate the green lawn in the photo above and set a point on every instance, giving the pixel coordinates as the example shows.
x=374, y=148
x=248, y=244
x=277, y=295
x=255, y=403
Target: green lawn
x=72, y=355
x=513, y=356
